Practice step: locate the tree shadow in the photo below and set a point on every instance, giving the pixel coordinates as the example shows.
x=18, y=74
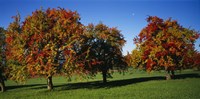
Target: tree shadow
x=184, y=76
x=119, y=83
x=100, y=84
x=24, y=86
x=109, y=84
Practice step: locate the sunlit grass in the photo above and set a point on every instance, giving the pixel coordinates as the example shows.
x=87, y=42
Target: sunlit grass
x=131, y=85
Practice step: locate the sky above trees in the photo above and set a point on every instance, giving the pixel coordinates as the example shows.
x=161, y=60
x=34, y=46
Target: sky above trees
x=129, y=16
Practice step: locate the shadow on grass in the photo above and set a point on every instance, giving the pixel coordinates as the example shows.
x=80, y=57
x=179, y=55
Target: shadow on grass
x=24, y=86
x=184, y=76
x=99, y=84
x=118, y=83
x=109, y=84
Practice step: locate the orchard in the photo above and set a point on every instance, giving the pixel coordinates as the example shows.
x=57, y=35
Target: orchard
x=54, y=42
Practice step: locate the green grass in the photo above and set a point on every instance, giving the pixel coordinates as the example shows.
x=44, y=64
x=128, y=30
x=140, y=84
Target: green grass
x=132, y=85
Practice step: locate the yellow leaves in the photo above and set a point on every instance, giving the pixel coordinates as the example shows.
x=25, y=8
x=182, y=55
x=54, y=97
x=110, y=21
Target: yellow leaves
x=17, y=73
x=169, y=61
x=60, y=31
x=103, y=36
x=179, y=44
x=165, y=42
x=135, y=58
x=88, y=51
x=37, y=67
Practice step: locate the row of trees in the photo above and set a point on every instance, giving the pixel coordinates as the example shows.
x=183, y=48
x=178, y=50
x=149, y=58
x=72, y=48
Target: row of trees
x=54, y=42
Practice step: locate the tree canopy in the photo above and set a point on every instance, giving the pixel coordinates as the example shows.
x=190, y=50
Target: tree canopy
x=105, y=49
x=54, y=41
x=44, y=43
x=164, y=44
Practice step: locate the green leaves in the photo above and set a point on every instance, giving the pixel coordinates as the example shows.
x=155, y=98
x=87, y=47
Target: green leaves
x=105, y=45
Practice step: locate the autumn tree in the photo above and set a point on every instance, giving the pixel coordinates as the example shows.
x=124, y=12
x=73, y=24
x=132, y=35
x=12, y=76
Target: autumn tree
x=134, y=58
x=164, y=44
x=2, y=59
x=45, y=42
x=105, y=49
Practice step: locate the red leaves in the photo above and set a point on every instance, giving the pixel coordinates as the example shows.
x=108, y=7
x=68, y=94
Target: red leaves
x=165, y=43
x=67, y=52
x=147, y=52
x=95, y=62
x=81, y=65
x=51, y=12
x=44, y=38
x=158, y=54
x=197, y=60
x=154, y=19
x=9, y=39
x=149, y=64
x=171, y=44
x=151, y=28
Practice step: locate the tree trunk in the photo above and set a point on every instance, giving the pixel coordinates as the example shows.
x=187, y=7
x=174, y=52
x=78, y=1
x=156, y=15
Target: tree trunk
x=2, y=85
x=173, y=74
x=49, y=83
x=104, y=74
x=168, y=76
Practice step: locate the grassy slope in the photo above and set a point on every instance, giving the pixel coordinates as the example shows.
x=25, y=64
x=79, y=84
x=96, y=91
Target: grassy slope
x=138, y=85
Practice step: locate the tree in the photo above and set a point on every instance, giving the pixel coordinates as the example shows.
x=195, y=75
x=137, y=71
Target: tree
x=2, y=59
x=164, y=44
x=134, y=59
x=105, y=46
x=45, y=42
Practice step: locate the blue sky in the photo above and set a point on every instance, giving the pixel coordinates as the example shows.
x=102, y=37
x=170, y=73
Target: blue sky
x=128, y=15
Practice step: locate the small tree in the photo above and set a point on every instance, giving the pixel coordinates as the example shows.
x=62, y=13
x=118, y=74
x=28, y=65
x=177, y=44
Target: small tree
x=134, y=59
x=164, y=44
x=105, y=46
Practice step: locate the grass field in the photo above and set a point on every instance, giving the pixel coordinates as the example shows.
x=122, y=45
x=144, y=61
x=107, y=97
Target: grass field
x=132, y=85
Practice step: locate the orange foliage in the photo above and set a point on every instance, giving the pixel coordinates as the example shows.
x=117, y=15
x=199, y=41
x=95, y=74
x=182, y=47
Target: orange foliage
x=164, y=43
